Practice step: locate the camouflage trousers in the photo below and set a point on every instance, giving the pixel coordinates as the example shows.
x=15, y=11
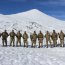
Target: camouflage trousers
x=48, y=41
x=40, y=42
x=61, y=43
x=25, y=43
x=4, y=41
x=55, y=43
x=18, y=41
x=12, y=40
x=33, y=43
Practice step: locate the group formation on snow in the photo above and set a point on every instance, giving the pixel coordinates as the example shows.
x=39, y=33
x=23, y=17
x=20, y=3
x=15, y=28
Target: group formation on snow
x=33, y=37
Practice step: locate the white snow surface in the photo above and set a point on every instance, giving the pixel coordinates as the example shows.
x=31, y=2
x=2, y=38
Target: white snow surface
x=30, y=21
x=32, y=56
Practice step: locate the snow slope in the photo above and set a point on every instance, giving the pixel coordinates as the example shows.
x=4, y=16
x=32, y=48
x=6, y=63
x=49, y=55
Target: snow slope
x=29, y=21
x=32, y=56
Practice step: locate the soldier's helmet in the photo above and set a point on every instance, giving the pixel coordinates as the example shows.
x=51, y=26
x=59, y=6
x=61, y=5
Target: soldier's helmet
x=5, y=30
x=54, y=31
x=35, y=32
x=24, y=32
x=40, y=31
x=61, y=31
x=18, y=31
x=47, y=32
x=12, y=30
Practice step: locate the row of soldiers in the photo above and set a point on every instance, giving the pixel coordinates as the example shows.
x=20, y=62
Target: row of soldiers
x=54, y=36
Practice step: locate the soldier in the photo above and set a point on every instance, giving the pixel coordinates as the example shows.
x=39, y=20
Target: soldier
x=40, y=38
x=33, y=39
x=54, y=37
x=18, y=35
x=12, y=38
x=48, y=36
x=25, y=38
x=4, y=37
x=61, y=36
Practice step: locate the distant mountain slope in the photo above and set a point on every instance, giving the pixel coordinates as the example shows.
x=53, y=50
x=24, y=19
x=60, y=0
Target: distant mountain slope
x=29, y=21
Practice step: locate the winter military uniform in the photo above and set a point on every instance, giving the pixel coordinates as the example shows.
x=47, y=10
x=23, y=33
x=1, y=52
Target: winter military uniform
x=33, y=39
x=61, y=36
x=12, y=37
x=47, y=35
x=18, y=35
x=4, y=38
x=54, y=38
x=25, y=38
x=40, y=38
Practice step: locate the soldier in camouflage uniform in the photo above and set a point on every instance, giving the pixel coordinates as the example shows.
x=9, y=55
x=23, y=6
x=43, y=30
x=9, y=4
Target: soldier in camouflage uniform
x=12, y=38
x=33, y=39
x=54, y=37
x=40, y=39
x=48, y=36
x=61, y=36
x=4, y=37
x=25, y=39
x=18, y=35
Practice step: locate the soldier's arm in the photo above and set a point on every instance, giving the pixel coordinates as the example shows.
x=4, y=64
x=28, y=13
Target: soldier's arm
x=44, y=36
x=21, y=35
x=57, y=35
x=51, y=36
x=64, y=35
x=37, y=36
x=27, y=35
x=15, y=34
x=0, y=34
x=31, y=36
x=7, y=34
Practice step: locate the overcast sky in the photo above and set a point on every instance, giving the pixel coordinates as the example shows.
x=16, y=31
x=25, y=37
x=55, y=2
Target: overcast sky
x=54, y=8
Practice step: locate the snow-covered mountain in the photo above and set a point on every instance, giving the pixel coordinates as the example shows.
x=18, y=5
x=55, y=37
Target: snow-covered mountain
x=29, y=21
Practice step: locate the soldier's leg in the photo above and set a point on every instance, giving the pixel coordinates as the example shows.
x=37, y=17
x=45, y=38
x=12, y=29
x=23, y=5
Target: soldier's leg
x=17, y=43
x=54, y=43
x=39, y=43
x=47, y=43
x=34, y=44
x=24, y=43
x=3, y=42
x=50, y=43
x=20, y=42
x=13, y=42
x=60, y=43
x=10, y=42
x=42, y=44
